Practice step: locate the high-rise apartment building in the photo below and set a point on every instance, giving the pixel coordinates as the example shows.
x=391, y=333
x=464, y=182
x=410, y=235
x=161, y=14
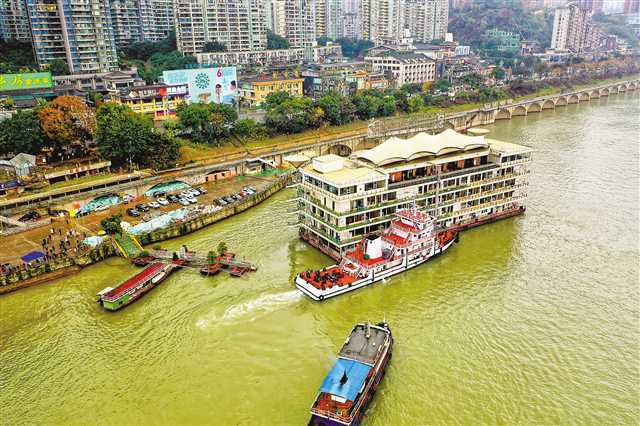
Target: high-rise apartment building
x=631, y=7
x=79, y=32
x=426, y=20
x=334, y=19
x=14, y=21
x=356, y=19
x=300, y=23
x=274, y=11
x=238, y=24
x=570, y=28
x=321, y=30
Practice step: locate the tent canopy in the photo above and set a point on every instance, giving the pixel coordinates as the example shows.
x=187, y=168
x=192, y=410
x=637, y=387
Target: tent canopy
x=32, y=256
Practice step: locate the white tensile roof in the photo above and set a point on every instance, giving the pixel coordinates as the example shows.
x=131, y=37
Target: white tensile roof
x=395, y=149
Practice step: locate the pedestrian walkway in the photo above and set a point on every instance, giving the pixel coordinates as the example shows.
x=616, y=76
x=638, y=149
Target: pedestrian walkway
x=127, y=245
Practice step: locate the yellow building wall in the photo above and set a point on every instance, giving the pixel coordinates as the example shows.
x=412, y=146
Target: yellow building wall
x=262, y=89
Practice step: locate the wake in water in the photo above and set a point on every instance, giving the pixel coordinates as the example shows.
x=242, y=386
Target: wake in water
x=257, y=307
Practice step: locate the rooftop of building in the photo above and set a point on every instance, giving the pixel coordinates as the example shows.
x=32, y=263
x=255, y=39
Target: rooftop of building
x=395, y=150
x=407, y=57
x=341, y=171
x=266, y=78
x=397, y=154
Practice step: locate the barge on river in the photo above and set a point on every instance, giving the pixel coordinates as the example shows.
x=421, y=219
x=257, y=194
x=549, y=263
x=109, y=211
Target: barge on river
x=352, y=382
x=135, y=287
x=410, y=241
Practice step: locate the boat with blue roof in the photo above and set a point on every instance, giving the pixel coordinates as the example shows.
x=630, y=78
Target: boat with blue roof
x=351, y=384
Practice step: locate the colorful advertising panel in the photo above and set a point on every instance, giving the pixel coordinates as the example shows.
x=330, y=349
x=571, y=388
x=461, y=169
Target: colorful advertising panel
x=27, y=80
x=206, y=85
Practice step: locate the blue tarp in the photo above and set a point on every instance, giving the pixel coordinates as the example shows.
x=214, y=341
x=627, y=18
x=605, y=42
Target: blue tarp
x=356, y=375
x=172, y=186
x=158, y=222
x=32, y=256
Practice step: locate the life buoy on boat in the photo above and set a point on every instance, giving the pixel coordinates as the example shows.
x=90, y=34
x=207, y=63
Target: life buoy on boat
x=321, y=297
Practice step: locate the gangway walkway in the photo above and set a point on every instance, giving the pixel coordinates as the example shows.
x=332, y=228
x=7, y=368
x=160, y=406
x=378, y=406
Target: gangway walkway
x=127, y=245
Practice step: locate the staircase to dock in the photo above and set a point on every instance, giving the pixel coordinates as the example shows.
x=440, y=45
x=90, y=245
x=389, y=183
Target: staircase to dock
x=127, y=246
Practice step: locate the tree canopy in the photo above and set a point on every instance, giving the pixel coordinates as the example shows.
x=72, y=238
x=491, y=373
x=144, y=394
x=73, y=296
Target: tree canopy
x=21, y=133
x=207, y=123
x=127, y=138
x=274, y=41
x=65, y=120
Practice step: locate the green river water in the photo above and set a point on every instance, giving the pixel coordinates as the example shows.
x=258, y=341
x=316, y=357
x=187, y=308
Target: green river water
x=529, y=320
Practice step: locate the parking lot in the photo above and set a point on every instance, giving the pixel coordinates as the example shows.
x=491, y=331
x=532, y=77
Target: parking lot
x=16, y=245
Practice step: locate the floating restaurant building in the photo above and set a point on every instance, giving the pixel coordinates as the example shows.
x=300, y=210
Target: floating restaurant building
x=461, y=180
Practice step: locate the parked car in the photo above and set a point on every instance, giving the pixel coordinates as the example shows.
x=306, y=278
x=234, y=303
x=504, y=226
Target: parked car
x=142, y=208
x=221, y=202
x=194, y=192
x=154, y=205
x=229, y=200
x=184, y=194
x=173, y=198
x=202, y=190
x=249, y=188
x=133, y=212
x=192, y=200
x=127, y=197
x=162, y=201
x=57, y=212
x=236, y=197
x=30, y=216
x=184, y=201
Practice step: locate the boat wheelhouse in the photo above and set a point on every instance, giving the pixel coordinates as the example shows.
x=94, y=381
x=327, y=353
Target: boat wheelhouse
x=349, y=387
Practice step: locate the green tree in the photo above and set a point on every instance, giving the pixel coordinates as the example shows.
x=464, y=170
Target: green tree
x=293, y=116
x=498, y=73
x=123, y=137
x=222, y=248
x=59, y=67
x=207, y=123
x=441, y=86
x=111, y=224
x=248, y=128
x=21, y=133
x=274, y=41
x=274, y=99
x=322, y=41
x=367, y=106
x=214, y=46
x=415, y=103
x=164, y=152
x=337, y=109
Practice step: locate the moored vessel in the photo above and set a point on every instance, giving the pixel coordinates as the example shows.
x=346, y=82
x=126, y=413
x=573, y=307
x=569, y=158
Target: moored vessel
x=410, y=241
x=135, y=287
x=352, y=382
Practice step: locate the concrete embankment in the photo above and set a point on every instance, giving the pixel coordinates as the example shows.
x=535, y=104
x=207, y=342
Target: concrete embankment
x=62, y=267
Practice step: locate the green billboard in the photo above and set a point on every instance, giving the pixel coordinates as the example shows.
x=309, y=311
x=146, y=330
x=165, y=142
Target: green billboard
x=27, y=80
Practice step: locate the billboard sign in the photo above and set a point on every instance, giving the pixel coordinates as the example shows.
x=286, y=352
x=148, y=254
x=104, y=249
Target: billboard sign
x=27, y=80
x=206, y=85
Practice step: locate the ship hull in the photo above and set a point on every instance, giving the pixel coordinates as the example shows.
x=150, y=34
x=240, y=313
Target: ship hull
x=319, y=296
x=369, y=391
x=128, y=299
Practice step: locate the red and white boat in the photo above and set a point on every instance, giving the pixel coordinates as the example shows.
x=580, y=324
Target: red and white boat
x=410, y=241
